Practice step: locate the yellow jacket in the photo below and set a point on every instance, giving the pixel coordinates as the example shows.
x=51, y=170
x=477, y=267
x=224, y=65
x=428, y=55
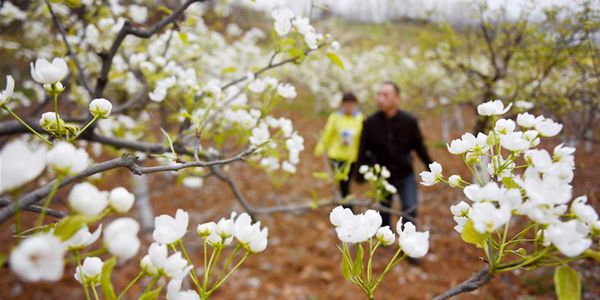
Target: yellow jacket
x=341, y=137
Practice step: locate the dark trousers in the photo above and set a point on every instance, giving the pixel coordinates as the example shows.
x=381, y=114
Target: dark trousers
x=344, y=184
x=407, y=190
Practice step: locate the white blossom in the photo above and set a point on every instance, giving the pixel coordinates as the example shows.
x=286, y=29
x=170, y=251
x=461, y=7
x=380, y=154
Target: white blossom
x=414, y=243
x=168, y=230
x=46, y=72
x=40, y=257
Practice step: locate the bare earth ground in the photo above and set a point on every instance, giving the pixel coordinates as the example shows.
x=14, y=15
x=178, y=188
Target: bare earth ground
x=302, y=261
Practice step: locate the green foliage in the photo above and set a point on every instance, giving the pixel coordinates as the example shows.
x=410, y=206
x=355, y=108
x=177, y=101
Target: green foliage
x=567, y=283
x=105, y=279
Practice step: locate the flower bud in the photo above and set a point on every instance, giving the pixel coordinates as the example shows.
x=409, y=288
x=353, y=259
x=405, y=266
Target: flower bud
x=100, y=108
x=89, y=271
x=121, y=200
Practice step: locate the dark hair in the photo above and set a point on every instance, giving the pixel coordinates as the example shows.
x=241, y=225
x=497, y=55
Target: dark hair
x=349, y=97
x=394, y=85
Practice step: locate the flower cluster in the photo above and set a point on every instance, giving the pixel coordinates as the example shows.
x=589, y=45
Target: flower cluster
x=365, y=228
x=377, y=177
x=541, y=192
x=284, y=136
x=285, y=21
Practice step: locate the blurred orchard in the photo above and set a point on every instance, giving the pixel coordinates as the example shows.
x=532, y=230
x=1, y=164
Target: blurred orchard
x=163, y=149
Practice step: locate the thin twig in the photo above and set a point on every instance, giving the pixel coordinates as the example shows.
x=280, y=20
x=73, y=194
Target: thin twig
x=474, y=282
x=37, y=209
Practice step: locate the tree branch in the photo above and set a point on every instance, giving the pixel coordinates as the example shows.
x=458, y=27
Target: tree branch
x=37, y=209
x=127, y=161
x=63, y=34
x=127, y=29
x=474, y=282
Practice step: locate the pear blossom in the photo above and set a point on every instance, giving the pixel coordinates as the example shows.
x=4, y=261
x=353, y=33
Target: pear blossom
x=193, y=182
x=120, y=199
x=173, y=266
x=100, y=108
x=89, y=271
x=414, y=243
x=48, y=118
x=168, y=230
x=526, y=120
x=174, y=291
x=85, y=198
x=204, y=230
x=539, y=159
x=563, y=154
x=147, y=267
x=489, y=192
x=286, y=90
x=65, y=158
x=454, y=180
x=431, y=177
x=352, y=228
x=504, y=126
x=120, y=237
x=282, y=17
x=457, y=147
x=490, y=108
x=460, y=214
x=582, y=211
x=257, y=86
x=46, y=72
x=40, y=257
x=260, y=134
x=83, y=238
x=21, y=163
x=385, y=235
x=524, y=105
x=571, y=237
x=487, y=217
x=8, y=92
x=547, y=127
x=514, y=142
x=532, y=137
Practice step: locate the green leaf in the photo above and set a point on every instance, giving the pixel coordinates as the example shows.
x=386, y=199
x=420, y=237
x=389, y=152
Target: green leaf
x=152, y=294
x=183, y=37
x=358, y=261
x=567, y=283
x=229, y=69
x=105, y=279
x=346, y=265
x=336, y=60
x=68, y=226
x=471, y=236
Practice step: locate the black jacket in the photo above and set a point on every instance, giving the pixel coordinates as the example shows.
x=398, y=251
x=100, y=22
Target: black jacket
x=389, y=141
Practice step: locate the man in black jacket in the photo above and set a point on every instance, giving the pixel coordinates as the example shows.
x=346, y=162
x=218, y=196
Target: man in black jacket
x=387, y=138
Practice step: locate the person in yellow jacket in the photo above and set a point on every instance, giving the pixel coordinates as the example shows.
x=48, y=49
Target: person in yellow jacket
x=341, y=138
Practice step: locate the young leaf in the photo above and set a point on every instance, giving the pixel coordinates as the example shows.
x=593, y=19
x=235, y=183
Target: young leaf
x=471, y=236
x=567, y=283
x=152, y=294
x=66, y=227
x=358, y=261
x=105, y=279
x=336, y=60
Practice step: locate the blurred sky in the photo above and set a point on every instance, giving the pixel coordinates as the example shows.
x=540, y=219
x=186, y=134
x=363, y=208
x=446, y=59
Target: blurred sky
x=455, y=11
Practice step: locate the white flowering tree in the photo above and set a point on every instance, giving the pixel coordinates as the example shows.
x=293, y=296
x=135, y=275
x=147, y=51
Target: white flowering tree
x=183, y=98
x=524, y=216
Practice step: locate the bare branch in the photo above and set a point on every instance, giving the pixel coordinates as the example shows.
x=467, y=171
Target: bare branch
x=63, y=34
x=37, y=209
x=127, y=29
x=474, y=282
x=127, y=161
